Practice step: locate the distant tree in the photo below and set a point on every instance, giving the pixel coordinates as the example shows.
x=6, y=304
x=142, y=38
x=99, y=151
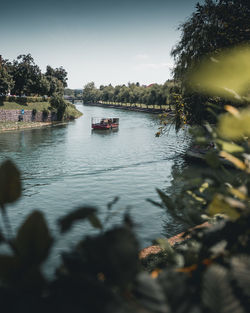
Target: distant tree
x=57, y=102
x=6, y=80
x=69, y=92
x=26, y=75
x=90, y=93
x=59, y=73
x=107, y=93
x=55, y=86
x=44, y=86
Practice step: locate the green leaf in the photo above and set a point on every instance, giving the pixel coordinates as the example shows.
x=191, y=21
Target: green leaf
x=241, y=125
x=164, y=245
x=230, y=147
x=33, y=239
x=154, y=202
x=220, y=206
x=212, y=159
x=8, y=267
x=94, y=221
x=10, y=183
x=111, y=203
x=166, y=200
x=82, y=213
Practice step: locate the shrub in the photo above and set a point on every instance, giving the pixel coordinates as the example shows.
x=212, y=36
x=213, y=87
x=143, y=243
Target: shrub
x=59, y=104
x=45, y=113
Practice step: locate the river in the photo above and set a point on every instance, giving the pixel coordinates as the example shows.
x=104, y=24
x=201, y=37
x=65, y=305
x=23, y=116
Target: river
x=66, y=166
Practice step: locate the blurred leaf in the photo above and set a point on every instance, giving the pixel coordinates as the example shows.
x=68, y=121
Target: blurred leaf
x=149, y=295
x=240, y=266
x=10, y=183
x=8, y=267
x=237, y=193
x=237, y=162
x=166, y=200
x=229, y=147
x=232, y=110
x=154, y=202
x=227, y=74
x=233, y=128
x=199, y=199
x=33, y=239
x=113, y=253
x=217, y=294
x=111, y=203
x=203, y=187
x=219, y=206
x=2, y=238
x=94, y=220
x=83, y=213
x=212, y=159
x=164, y=245
x=235, y=203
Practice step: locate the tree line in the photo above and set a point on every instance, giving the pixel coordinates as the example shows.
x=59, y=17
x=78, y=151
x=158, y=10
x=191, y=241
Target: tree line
x=23, y=77
x=154, y=94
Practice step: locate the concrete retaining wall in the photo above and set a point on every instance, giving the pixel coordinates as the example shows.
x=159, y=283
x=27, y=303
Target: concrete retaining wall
x=16, y=115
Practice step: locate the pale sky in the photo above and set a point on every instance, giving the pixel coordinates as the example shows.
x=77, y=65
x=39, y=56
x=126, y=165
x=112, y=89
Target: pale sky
x=96, y=40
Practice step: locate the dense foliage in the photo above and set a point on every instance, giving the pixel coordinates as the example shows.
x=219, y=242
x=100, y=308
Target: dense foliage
x=73, y=93
x=209, y=272
x=214, y=26
x=133, y=93
x=23, y=77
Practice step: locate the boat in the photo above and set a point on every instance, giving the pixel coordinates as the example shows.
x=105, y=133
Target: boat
x=105, y=123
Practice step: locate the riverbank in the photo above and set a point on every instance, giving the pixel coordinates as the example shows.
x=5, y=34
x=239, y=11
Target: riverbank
x=10, y=126
x=33, y=112
x=153, y=109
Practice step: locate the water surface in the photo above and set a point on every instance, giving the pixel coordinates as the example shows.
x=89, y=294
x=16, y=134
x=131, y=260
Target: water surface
x=67, y=166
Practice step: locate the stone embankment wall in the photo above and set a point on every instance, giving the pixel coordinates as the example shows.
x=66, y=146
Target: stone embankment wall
x=27, y=116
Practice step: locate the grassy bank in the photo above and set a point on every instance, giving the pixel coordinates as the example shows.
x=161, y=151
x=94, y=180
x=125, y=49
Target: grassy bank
x=39, y=106
x=70, y=113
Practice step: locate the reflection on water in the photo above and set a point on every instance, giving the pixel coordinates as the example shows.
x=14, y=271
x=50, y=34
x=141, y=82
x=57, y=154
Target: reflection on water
x=69, y=165
x=104, y=132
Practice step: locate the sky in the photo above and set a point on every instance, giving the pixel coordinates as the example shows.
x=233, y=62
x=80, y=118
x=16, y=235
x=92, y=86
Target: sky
x=105, y=41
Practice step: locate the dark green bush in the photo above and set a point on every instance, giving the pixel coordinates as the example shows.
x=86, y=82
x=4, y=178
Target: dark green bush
x=57, y=102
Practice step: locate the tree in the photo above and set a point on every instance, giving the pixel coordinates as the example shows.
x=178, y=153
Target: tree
x=55, y=86
x=90, y=93
x=58, y=73
x=26, y=75
x=57, y=79
x=6, y=81
x=59, y=104
x=215, y=25
x=44, y=86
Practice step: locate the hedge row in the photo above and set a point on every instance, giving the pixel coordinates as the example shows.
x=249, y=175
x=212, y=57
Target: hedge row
x=23, y=100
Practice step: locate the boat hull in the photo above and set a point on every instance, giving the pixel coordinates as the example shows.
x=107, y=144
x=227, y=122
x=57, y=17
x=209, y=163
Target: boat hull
x=104, y=127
